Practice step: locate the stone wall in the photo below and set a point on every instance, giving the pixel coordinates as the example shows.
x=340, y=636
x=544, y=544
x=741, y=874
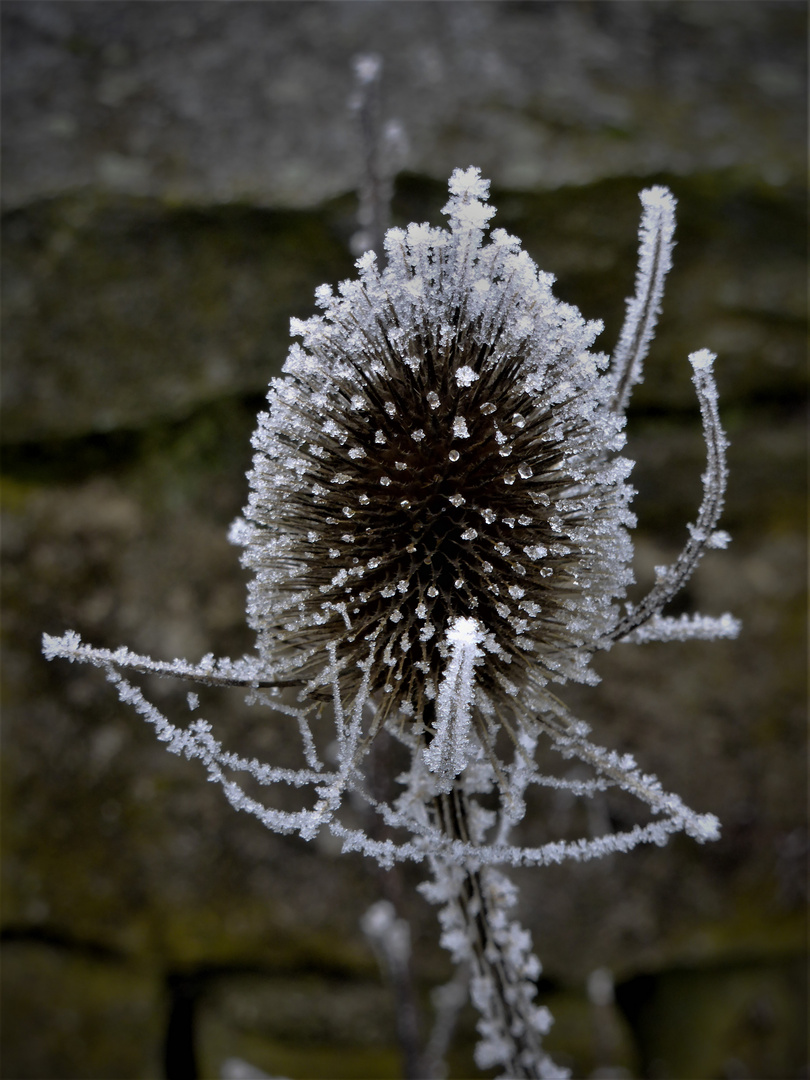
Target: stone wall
x=177, y=179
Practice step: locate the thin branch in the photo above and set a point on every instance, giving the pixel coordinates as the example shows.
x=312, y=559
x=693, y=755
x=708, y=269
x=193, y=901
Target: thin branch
x=382, y=146
x=702, y=535
x=654, y=261
x=209, y=672
x=684, y=628
x=623, y=770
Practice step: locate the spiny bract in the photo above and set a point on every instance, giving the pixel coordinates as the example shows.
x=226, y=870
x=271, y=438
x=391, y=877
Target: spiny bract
x=442, y=448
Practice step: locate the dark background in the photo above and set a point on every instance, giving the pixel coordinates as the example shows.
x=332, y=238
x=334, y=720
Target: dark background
x=177, y=179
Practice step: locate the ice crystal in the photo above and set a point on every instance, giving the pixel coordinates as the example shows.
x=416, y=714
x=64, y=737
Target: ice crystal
x=437, y=530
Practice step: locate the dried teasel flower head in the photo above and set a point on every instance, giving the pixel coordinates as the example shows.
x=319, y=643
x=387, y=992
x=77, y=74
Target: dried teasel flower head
x=438, y=465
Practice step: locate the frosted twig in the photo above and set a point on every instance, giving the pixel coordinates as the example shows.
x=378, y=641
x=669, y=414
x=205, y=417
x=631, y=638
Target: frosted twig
x=477, y=930
x=247, y=672
x=702, y=535
x=198, y=742
x=447, y=754
x=684, y=628
x=654, y=262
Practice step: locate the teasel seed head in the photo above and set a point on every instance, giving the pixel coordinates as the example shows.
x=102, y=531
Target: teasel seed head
x=440, y=447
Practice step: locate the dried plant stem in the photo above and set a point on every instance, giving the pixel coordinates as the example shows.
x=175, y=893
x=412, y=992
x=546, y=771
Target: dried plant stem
x=507, y=1006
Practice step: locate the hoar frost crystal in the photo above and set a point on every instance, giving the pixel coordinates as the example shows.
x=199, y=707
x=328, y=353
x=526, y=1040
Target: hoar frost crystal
x=438, y=531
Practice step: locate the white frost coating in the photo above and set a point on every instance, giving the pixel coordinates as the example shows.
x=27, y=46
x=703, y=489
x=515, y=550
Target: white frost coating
x=447, y=754
x=685, y=628
x=211, y=672
x=535, y=551
x=465, y=376
x=719, y=539
x=703, y=360
x=654, y=262
x=504, y=969
x=671, y=579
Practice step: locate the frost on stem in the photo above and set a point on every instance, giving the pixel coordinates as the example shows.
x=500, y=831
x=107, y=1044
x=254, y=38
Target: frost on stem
x=446, y=756
x=702, y=535
x=654, y=263
x=438, y=531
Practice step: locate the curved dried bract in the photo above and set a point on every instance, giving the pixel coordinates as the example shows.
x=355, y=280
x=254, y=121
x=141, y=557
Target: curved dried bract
x=654, y=263
x=702, y=535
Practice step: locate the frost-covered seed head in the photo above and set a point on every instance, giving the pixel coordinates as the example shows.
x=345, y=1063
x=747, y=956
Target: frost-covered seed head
x=448, y=411
x=482, y=552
